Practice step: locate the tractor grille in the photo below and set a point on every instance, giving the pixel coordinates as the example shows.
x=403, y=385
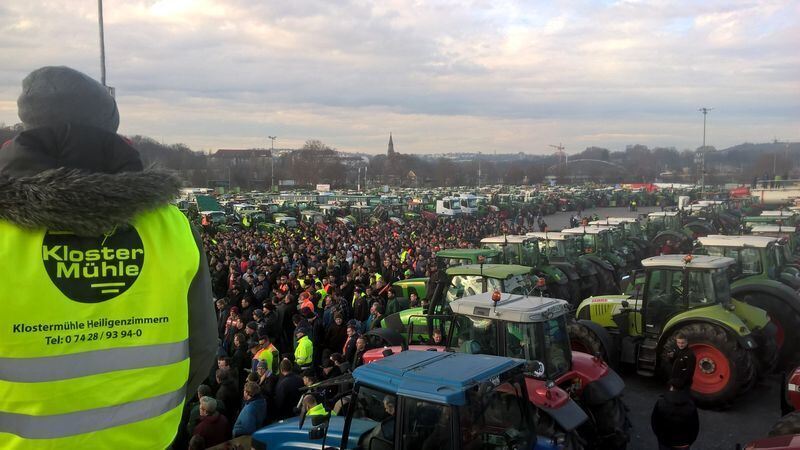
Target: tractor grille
x=601, y=309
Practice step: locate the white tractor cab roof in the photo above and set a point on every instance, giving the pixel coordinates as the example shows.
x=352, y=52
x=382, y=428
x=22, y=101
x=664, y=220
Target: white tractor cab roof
x=778, y=213
x=547, y=235
x=591, y=229
x=688, y=261
x=721, y=240
x=613, y=221
x=772, y=229
x=663, y=214
x=511, y=307
x=507, y=239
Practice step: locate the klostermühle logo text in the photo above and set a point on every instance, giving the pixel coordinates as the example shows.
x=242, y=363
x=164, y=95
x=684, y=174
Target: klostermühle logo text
x=93, y=269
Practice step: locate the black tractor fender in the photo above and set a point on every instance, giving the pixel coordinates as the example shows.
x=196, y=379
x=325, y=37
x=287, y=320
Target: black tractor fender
x=605, y=338
x=600, y=262
x=568, y=269
x=603, y=389
x=390, y=337
x=569, y=416
x=677, y=236
x=771, y=288
x=706, y=226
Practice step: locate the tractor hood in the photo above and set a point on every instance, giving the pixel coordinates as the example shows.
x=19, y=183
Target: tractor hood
x=286, y=434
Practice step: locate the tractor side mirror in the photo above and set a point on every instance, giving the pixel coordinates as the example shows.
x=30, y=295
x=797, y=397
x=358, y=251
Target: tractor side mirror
x=318, y=432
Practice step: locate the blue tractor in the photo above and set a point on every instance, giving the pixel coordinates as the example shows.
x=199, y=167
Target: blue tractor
x=421, y=400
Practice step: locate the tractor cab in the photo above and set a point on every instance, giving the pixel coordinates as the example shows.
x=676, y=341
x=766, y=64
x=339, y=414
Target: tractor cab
x=600, y=241
x=662, y=221
x=525, y=327
x=756, y=256
x=629, y=231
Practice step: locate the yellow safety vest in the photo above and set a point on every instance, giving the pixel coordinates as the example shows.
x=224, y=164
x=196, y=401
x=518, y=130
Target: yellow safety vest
x=94, y=346
x=319, y=410
x=304, y=351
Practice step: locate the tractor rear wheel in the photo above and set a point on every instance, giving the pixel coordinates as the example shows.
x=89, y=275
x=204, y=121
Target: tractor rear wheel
x=591, y=286
x=605, y=278
x=611, y=426
x=786, y=322
x=723, y=367
x=788, y=424
x=584, y=340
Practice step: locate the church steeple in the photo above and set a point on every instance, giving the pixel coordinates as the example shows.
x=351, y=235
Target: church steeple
x=390, y=153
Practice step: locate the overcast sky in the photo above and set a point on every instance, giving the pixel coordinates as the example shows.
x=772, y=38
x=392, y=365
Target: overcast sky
x=442, y=76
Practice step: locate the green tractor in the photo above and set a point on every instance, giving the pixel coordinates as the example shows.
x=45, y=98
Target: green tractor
x=688, y=295
x=630, y=232
x=760, y=277
x=454, y=283
x=787, y=234
x=772, y=217
x=562, y=282
x=600, y=241
x=668, y=226
x=596, y=274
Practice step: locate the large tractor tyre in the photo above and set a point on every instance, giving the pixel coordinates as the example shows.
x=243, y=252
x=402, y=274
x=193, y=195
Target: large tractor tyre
x=560, y=291
x=786, y=322
x=606, y=281
x=723, y=369
x=679, y=241
x=584, y=340
x=767, y=352
x=591, y=286
x=611, y=426
x=787, y=425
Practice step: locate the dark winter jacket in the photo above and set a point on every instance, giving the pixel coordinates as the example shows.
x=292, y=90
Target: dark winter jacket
x=287, y=394
x=228, y=393
x=252, y=416
x=335, y=337
x=674, y=420
x=87, y=180
x=213, y=429
x=683, y=366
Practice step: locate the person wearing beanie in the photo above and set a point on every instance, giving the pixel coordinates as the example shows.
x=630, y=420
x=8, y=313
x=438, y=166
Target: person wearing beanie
x=89, y=233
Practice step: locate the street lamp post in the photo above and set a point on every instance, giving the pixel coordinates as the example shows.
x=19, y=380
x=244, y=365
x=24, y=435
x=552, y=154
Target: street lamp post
x=705, y=111
x=272, y=162
x=102, y=43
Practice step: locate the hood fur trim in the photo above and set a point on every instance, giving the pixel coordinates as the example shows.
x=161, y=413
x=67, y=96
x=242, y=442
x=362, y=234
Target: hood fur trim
x=84, y=203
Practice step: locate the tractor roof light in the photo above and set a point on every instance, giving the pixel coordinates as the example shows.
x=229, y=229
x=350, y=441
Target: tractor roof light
x=496, y=296
x=687, y=259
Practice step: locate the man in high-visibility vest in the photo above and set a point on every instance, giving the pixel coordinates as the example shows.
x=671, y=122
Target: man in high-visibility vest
x=124, y=324
x=304, y=352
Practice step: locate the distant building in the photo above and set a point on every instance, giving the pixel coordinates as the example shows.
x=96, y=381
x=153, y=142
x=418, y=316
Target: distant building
x=241, y=156
x=390, y=153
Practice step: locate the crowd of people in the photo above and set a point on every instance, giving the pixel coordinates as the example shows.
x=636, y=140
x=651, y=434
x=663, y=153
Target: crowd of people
x=293, y=305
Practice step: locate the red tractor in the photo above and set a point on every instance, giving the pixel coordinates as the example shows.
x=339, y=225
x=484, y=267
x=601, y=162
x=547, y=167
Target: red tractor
x=579, y=392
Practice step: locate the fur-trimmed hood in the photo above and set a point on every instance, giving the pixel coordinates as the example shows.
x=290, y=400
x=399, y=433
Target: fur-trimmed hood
x=81, y=202
x=77, y=180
